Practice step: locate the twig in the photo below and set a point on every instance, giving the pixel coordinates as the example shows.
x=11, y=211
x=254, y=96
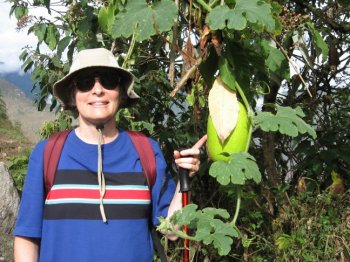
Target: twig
x=295, y=214
x=167, y=41
x=189, y=72
x=184, y=79
x=172, y=55
x=291, y=63
x=132, y=45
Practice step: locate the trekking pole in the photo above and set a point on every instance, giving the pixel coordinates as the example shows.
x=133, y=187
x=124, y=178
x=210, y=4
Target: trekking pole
x=184, y=189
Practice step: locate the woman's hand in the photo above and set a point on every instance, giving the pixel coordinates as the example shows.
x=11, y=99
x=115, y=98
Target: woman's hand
x=189, y=158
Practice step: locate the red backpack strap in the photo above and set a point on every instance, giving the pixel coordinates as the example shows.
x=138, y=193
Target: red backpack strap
x=145, y=151
x=52, y=155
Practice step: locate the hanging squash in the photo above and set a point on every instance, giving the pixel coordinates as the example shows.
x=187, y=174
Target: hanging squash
x=228, y=123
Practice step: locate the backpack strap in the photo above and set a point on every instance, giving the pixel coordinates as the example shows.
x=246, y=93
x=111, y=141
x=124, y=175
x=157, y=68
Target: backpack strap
x=145, y=151
x=148, y=161
x=52, y=154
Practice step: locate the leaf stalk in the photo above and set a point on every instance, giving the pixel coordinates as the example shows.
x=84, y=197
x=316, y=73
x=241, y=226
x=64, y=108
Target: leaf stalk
x=238, y=206
x=204, y=5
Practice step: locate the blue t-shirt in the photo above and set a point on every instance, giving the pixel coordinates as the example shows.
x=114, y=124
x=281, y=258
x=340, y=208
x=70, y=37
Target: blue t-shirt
x=69, y=221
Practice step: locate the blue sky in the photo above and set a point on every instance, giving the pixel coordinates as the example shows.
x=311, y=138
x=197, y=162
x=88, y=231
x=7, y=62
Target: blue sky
x=11, y=41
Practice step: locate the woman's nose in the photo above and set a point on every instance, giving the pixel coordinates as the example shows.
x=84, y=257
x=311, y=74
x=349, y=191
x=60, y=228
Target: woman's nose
x=98, y=87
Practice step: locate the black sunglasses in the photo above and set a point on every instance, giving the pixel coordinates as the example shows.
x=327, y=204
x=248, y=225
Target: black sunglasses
x=85, y=82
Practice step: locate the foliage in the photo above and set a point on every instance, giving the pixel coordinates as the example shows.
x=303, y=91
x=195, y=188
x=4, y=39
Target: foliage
x=14, y=146
x=136, y=18
x=287, y=61
x=239, y=168
x=63, y=122
x=18, y=169
x=287, y=121
x=314, y=228
x=210, y=228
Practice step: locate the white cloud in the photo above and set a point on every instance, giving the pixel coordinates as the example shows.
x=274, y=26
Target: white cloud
x=13, y=41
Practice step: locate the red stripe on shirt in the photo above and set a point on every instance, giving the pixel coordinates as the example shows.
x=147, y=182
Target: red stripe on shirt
x=95, y=194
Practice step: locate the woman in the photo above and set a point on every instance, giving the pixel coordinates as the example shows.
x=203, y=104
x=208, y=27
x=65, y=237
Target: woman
x=100, y=207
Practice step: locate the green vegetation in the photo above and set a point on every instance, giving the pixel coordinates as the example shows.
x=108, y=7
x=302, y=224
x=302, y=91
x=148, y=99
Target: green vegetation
x=14, y=147
x=277, y=202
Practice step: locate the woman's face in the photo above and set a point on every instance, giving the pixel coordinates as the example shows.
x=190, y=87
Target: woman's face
x=97, y=97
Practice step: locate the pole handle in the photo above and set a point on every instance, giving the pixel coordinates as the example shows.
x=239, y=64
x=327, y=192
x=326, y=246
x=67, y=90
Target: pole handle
x=184, y=180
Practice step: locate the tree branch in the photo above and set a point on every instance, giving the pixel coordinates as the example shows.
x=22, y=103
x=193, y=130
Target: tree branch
x=342, y=28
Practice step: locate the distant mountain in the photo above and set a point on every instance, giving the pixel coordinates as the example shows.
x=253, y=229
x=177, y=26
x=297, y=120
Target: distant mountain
x=23, y=81
x=21, y=110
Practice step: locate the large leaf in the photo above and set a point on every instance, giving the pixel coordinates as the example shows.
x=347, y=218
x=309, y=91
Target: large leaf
x=211, y=229
x=142, y=19
x=287, y=121
x=223, y=109
x=253, y=11
x=237, y=170
x=219, y=234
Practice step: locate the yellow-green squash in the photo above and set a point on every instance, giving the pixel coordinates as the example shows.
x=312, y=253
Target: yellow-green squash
x=236, y=142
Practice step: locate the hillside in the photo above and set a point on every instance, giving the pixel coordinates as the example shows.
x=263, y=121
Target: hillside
x=22, y=112
x=23, y=81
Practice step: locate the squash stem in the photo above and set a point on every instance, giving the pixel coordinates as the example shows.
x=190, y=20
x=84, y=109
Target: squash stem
x=249, y=112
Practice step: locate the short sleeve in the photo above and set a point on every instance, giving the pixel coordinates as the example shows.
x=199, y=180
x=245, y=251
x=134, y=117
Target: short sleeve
x=30, y=214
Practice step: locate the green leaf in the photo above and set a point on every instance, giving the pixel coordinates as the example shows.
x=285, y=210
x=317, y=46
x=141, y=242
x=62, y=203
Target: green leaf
x=226, y=73
x=221, y=171
x=62, y=45
x=244, y=61
x=210, y=229
x=253, y=11
x=23, y=55
x=20, y=11
x=190, y=98
x=27, y=64
x=209, y=66
x=106, y=17
x=56, y=61
x=185, y=215
x=287, y=121
x=212, y=212
x=218, y=17
x=321, y=46
x=52, y=36
x=40, y=31
x=219, y=234
x=276, y=61
x=141, y=19
x=283, y=241
x=239, y=168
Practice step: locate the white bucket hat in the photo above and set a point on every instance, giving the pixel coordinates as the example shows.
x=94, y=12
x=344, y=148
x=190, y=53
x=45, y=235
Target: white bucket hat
x=89, y=58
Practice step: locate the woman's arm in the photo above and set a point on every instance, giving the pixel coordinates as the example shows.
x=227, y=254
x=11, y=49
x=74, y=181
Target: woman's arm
x=26, y=249
x=187, y=159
